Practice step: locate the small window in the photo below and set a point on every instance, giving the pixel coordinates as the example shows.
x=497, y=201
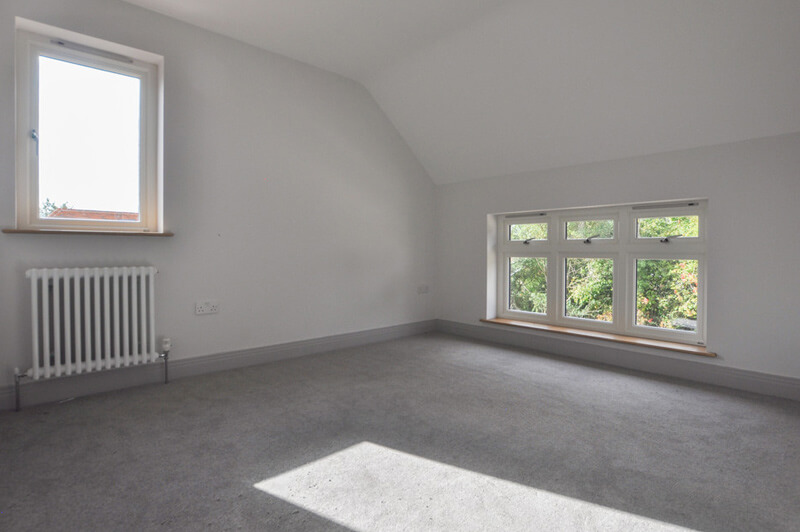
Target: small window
x=589, y=288
x=590, y=230
x=668, y=227
x=527, y=284
x=89, y=133
x=527, y=232
x=666, y=293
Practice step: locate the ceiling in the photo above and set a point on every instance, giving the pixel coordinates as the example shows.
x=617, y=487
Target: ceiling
x=481, y=88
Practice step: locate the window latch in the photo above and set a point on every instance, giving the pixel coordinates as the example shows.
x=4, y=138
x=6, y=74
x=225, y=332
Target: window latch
x=666, y=239
x=35, y=136
x=589, y=240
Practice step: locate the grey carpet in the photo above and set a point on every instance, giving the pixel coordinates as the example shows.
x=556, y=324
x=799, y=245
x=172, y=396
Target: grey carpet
x=187, y=456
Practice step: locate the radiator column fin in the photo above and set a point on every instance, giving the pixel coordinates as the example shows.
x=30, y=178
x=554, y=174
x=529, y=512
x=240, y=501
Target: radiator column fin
x=91, y=319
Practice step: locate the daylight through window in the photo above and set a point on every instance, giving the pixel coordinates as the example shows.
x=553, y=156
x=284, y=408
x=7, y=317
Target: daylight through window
x=637, y=270
x=88, y=133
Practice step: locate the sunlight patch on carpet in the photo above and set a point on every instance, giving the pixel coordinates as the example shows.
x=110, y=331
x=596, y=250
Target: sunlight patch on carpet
x=368, y=487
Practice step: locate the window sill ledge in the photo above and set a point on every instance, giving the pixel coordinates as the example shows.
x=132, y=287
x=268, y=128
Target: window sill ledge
x=83, y=232
x=619, y=338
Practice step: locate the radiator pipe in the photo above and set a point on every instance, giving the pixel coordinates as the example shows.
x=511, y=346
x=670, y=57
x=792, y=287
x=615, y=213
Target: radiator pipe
x=17, y=381
x=165, y=357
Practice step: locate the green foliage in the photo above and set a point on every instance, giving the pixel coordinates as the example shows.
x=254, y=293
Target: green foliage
x=666, y=289
x=666, y=294
x=583, y=229
x=590, y=288
x=529, y=231
x=48, y=207
x=528, y=284
x=686, y=226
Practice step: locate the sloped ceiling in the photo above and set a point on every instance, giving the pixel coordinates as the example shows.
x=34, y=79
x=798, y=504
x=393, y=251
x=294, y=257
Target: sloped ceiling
x=481, y=88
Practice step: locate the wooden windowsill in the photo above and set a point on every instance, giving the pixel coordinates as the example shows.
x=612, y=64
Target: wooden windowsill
x=611, y=337
x=83, y=232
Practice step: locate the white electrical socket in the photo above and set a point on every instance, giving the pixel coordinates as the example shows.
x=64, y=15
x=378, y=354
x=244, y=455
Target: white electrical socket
x=166, y=344
x=206, y=306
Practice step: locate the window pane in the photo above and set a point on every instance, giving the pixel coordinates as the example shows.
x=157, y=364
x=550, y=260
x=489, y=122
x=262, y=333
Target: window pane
x=589, y=288
x=685, y=226
x=583, y=229
x=528, y=231
x=666, y=294
x=88, y=142
x=527, y=284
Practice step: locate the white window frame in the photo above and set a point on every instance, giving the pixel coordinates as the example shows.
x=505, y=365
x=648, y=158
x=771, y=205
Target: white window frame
x=34, y=39
x=625, y=248
x=561, y=303
x=528, y=219
x=517, y=248
x=687, y=337
x=549, y=314
x=660, y=212
x=600, y=214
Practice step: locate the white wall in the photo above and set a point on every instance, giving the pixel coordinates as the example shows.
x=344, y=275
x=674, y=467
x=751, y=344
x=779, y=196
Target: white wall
x=543, y=84
x=753, y=251
x=297, y=205
x=293, y=200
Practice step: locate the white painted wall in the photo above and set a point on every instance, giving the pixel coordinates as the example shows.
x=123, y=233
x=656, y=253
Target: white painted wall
x=753, y=252
x=542, y=84
x=297, y=205
x=293, y=199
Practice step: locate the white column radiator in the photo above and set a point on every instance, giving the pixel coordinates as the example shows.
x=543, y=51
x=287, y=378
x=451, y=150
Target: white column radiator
x=91, y=319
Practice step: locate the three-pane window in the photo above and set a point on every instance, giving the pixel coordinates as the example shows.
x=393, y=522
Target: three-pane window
x=633, y=269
